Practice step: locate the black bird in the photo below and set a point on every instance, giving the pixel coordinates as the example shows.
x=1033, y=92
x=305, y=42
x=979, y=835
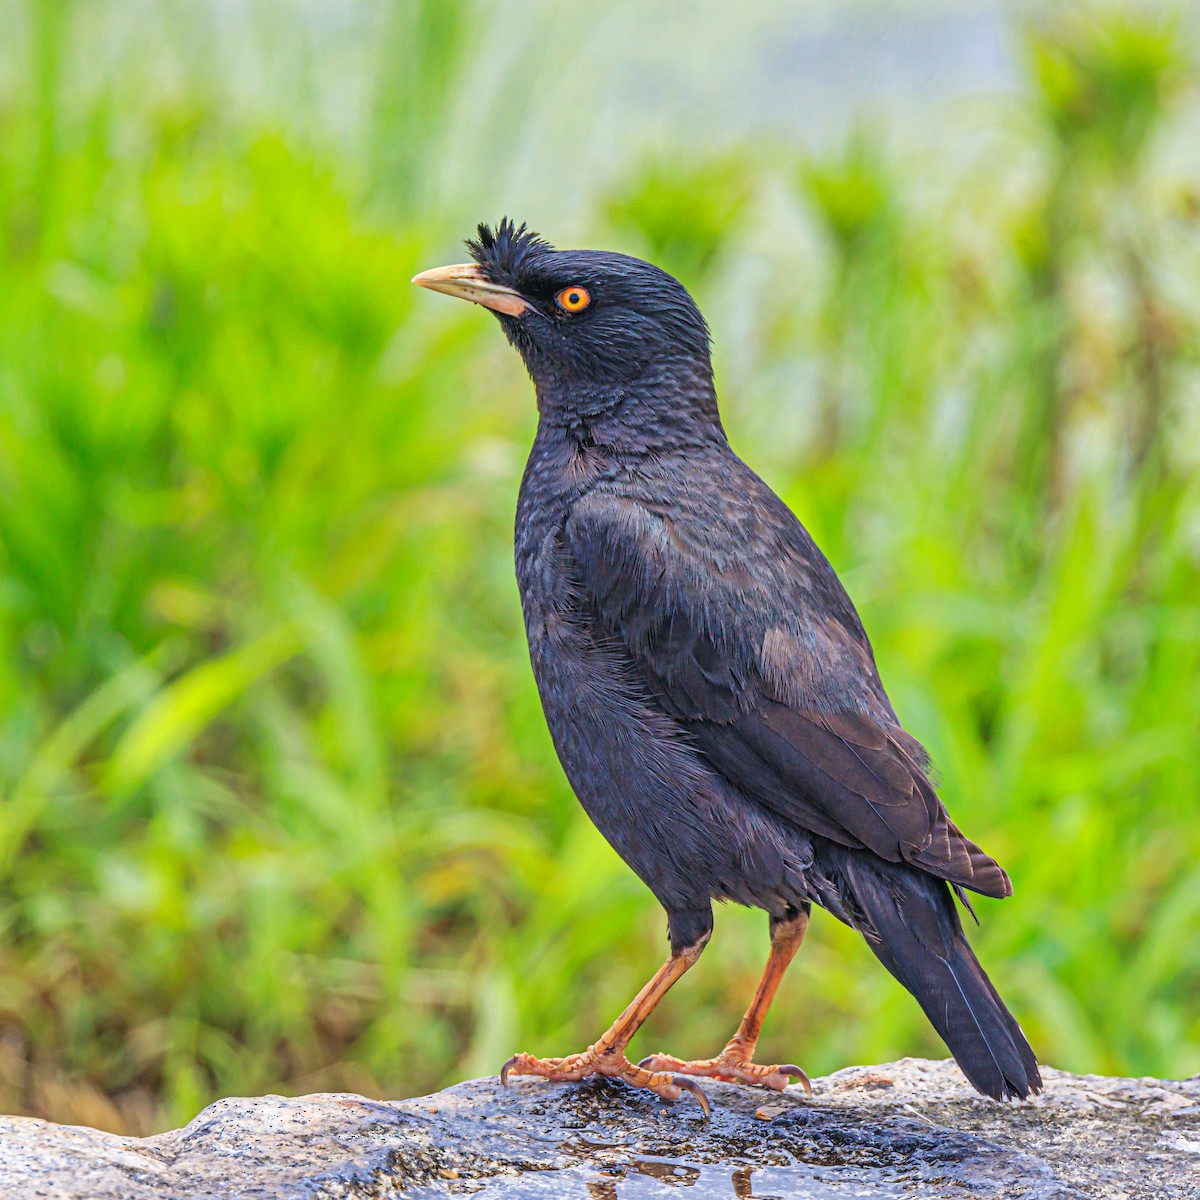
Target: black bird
x=707, y=682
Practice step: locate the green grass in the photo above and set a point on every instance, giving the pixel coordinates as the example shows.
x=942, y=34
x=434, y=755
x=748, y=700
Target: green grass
x=279, y=808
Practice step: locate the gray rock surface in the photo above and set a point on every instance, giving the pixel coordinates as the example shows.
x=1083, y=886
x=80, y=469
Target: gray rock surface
x=912, y=1128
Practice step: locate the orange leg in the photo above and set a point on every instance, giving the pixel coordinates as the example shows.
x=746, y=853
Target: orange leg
x=735, y=1063
x=606, y=1056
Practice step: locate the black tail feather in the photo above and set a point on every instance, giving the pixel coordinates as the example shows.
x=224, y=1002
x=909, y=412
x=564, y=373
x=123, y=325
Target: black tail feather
x=915, y=931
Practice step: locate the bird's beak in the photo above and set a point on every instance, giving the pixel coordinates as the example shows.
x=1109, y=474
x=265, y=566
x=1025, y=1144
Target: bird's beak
x=468, y=282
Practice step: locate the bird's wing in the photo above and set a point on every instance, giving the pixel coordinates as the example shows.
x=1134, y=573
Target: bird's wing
x=773, y=677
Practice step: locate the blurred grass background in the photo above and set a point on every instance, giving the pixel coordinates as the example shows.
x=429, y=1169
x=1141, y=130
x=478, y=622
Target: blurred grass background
x=279, y=808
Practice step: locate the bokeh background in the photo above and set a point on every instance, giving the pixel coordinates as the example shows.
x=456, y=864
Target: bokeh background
x=279, y=809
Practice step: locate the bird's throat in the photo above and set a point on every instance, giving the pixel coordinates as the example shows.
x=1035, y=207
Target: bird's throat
x=660, y=410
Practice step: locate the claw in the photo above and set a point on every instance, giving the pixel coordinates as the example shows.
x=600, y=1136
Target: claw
x=796, y=1073
x=504, y=1070
x=729, y=1069
x=695, y=1091
x=603, y=1062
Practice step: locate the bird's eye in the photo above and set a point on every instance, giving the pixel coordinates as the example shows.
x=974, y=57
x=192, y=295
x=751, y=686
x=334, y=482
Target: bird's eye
x=573, y=299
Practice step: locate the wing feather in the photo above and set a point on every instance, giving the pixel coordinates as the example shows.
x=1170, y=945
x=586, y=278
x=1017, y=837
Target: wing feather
x=778, y=691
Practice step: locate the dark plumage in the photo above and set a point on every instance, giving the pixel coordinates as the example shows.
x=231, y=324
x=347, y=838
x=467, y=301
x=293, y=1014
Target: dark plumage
x=707, y=682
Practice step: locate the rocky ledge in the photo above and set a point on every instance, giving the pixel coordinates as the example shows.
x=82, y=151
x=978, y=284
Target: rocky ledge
x=911, y=1128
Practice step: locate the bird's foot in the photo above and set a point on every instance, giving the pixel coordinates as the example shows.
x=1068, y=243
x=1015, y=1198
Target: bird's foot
x=609, y=1061
x=732, y=1065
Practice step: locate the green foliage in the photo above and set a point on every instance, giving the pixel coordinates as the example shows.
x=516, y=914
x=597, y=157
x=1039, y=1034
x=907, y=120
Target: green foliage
x=680, y=213
x=1102, y=85
x=279, y=809
x=852, y=195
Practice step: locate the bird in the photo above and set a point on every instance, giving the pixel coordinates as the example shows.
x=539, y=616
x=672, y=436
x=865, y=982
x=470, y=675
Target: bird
x=706, y=680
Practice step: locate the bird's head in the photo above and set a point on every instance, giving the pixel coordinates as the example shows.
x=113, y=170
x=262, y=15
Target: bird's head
x=583, y=320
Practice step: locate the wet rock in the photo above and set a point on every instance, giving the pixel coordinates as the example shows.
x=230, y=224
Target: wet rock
x=912, y=1128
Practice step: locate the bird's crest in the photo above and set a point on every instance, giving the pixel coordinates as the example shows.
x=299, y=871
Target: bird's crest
x=508, y=249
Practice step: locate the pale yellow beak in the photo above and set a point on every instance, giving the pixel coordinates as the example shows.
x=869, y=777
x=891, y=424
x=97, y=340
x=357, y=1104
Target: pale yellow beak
x=468, y=282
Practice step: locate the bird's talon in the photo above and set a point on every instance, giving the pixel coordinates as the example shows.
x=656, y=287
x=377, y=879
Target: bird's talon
x=796, y=1073
x=609, y=1062
x=695, y=1091
x=504, y=1070
x=728, y=1069
x=659, y=1062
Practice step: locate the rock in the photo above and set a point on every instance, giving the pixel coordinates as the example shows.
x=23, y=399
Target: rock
x=911, y=1128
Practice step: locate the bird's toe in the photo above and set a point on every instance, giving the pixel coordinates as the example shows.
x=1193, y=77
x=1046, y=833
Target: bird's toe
x=730, y=1069
x=665, y=1062
x=611, y=1063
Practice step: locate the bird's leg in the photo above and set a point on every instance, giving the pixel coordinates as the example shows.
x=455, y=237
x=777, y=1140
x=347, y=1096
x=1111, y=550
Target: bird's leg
x=735, y=1063
x=606, y=1056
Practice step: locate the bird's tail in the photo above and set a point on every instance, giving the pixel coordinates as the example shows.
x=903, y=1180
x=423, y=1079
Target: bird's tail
x=914, y=929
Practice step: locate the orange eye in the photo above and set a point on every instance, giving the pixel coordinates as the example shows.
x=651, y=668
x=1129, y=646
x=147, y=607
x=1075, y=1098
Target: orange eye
x=573, y=299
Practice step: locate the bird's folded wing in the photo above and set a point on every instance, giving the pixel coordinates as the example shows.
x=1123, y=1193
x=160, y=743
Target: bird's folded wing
x=779, y=692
